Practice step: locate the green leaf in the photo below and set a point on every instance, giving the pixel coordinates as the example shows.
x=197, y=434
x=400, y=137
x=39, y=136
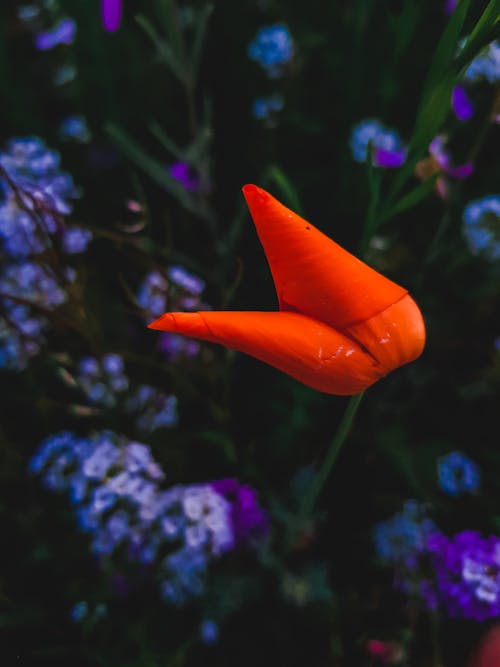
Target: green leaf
x=432, y=113
x=485, y=31
x=446, y=47
x=410, y=200
x=170, y=145
x=165, y=52
x=199, y=38
x=158, y=172
x=276, y=174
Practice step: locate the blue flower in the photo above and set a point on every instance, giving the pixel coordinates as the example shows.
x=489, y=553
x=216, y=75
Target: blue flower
x=209, y=632
x=385, y=144
x=37, y=196
x=62, y=33
x=458, y=474
x=178, y=290
x=177, y=532
x=75, y=240
x=79, y=611
x=152, y=294
x=481, y=228
x=264, y=108
x=402, y=538
x=190, y=283
x=75, y=128
x=272, y=48
x=486, y=65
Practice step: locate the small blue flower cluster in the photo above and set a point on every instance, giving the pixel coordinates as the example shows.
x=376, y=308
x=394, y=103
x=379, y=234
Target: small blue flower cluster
x=458, y=474
x=82, y=611
x=385, y=144
x=75, y=128
x=27, y=292
x=36, y=196
x=114, y=485
x=402, y=538
x=265, y=108
x=176, y=290
x=481, y=228
x=106, y=385
x=486, y=65
x=401, y=542
x=272, y=48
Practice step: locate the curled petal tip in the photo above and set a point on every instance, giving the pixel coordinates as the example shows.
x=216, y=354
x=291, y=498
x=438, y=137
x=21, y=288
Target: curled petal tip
x=253, y=193
x=164, y=323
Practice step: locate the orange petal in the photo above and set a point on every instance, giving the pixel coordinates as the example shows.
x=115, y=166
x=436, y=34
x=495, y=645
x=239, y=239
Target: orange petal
x=395, y=336
x=312, y=274
x=308, y=350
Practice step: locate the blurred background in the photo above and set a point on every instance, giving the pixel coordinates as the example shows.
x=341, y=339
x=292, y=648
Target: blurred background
x=152, y=487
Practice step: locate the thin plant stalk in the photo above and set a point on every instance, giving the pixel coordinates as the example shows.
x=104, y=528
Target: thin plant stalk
x=320, y=479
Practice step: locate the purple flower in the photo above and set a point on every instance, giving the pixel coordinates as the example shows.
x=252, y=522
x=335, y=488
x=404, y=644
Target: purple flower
x=450, y=6
x=187, y=281
x=389, y=159
x=439, y=152
x=461, y=104
x=467, y=569
x=250, y=522
x=63, y=33
x=111, y=12
x=75, y=240
x=176, y=347
x=182, y=172
x=385, y=144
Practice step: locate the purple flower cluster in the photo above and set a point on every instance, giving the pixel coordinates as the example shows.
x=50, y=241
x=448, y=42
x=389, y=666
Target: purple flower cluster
x=28, y=291
x=459, y=573
x=385, y=145
x=106, y=385
x=176, y=290
x=250, y=522
x=114, y=485
x=467, y=571
x=35, y=199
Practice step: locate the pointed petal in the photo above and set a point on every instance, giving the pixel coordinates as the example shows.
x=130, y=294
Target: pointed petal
x=308, y=350
x=312, y=274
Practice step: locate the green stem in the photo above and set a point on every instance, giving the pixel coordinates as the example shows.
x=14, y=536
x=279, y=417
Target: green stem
x=318, y=482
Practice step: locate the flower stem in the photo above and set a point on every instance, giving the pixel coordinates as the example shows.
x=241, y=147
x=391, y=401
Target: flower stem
x=318, y=482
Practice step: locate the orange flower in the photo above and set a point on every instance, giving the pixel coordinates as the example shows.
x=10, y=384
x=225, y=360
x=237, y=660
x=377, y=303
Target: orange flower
x=341, y=326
